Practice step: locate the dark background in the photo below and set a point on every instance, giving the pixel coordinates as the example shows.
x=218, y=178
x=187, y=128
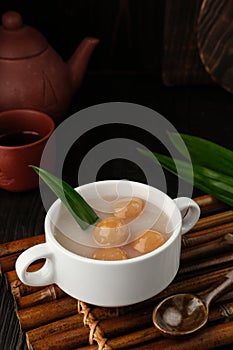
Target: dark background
x=147, y=55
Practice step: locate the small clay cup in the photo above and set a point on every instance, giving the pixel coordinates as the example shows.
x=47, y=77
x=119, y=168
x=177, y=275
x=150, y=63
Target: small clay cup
x=15, y=157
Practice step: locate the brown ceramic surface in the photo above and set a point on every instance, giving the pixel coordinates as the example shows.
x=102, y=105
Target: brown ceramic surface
x=214, y=38
x=33, y=75
x=15, y=174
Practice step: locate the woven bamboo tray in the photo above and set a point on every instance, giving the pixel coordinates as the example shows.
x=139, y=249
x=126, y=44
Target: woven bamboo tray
x=51, y=319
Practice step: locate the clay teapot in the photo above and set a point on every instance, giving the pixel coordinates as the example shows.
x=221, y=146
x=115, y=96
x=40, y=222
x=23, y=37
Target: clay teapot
x=33, y=75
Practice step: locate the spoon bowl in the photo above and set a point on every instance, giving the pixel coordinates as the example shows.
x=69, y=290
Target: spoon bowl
x=183, y=314
x=180, y=314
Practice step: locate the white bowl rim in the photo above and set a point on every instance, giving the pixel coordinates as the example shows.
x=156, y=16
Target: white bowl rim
x=50, y=237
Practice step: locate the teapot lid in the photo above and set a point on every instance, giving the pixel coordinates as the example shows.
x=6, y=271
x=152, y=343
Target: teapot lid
x=18, y=40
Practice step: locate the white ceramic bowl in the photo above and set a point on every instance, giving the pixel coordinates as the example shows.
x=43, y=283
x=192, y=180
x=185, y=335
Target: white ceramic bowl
x=112, y=283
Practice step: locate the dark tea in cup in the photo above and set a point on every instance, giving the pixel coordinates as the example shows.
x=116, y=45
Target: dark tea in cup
x=19, y=138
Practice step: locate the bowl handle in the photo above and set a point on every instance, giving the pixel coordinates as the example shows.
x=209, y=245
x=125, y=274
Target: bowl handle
x=41, y=277
x=190, y=212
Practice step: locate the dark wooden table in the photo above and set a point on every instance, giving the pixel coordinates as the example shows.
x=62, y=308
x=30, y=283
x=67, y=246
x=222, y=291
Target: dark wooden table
x=21, y=215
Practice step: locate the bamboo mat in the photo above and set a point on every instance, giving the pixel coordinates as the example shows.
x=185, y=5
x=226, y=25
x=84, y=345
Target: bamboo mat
x=50, y=319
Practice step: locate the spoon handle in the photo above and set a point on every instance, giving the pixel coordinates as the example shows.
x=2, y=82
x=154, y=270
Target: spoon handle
x=212, y=294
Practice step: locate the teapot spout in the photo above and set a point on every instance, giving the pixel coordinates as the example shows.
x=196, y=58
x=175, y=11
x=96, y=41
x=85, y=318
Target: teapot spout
x=78, y=62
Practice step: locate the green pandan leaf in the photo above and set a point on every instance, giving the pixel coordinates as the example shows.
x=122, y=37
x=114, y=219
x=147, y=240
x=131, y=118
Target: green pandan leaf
x=211, y=168
x=75, y=203
x=204, y=152
x=207, y=180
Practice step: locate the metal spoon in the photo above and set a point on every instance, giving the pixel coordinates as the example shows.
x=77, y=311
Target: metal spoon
x=183, y=314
